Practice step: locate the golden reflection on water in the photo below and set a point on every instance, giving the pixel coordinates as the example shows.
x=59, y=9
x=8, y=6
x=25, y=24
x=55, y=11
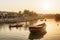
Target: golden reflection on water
x=51, y=25
x=52, y=29
x=48, y=27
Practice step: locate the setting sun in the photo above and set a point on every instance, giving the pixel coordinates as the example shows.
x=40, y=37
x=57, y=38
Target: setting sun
x=47, y=6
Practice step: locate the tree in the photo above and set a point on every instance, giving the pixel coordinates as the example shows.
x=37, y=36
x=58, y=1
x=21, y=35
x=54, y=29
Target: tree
x=26, y=13
x=12, y=14
x=57, y=17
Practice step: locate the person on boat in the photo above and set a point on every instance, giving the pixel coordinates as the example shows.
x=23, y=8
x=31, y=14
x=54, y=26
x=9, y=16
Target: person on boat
x=17, y=23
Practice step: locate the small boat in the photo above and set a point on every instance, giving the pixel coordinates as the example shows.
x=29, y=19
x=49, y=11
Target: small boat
x=15, y=26
x=39, y=28
x=12, y=25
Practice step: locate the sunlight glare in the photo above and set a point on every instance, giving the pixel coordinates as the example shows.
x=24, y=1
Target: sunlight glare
x=46, y=6
x=49, y=28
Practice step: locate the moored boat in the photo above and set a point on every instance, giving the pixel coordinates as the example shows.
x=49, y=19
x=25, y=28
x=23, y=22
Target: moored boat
x=39, y=28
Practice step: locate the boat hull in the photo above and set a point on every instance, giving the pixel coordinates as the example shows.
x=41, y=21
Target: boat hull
x=16, y=26
x=38, y=29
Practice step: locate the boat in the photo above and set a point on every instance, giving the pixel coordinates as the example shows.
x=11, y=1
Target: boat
x=38, y=28
x=15, y=25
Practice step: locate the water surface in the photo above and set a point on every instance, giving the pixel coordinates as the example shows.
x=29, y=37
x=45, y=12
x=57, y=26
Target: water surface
x=53, y=32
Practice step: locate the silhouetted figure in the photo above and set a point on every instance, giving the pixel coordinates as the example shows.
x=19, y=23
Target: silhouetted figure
x=39, y=35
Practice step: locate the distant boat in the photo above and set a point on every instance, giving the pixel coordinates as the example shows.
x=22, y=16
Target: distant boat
x=38, y=28
x=15, y=25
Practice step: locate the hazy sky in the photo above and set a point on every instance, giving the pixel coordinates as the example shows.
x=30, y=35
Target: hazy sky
x=40, y=6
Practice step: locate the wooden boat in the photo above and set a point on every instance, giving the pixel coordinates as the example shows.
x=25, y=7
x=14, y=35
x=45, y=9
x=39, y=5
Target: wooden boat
x=16, y=25
x=39, y=28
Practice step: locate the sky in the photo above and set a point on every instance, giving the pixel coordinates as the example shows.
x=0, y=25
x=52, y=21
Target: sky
x=39, y=6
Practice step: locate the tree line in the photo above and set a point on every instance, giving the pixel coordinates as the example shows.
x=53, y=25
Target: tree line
x=57, y=17
x=24, y=14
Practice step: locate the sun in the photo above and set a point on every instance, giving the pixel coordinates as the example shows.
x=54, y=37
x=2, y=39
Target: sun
x=46, y=6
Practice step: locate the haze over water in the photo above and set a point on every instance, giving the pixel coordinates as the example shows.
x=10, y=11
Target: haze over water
x=39, y=6
x=52, y=29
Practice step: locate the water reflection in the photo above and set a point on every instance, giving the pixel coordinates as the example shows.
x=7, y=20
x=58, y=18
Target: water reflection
x=1, y=26
x=39, y=35
x=10, y=28
x=52, y=29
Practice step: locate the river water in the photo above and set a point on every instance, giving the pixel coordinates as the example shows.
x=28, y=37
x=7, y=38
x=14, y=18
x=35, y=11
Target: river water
x=53, y=32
